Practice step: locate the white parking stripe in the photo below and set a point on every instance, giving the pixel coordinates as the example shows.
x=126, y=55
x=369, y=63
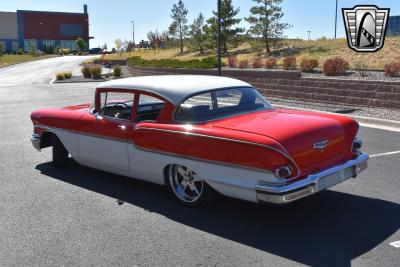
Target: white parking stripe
x=384, y=154
x=395, y=244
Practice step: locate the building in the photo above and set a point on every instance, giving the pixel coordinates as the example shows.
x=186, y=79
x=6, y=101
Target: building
x=393, y=26
x=42, y=30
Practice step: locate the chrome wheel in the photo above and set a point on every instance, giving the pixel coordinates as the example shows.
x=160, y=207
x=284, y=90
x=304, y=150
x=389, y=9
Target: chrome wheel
x=185, y=183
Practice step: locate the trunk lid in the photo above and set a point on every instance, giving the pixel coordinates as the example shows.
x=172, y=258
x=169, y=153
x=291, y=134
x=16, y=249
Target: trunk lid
x=315, y=142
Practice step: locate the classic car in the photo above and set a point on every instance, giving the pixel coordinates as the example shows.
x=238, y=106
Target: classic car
x=203, y=135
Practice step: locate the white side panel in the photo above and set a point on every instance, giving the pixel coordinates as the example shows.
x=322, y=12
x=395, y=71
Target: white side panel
x=111, y=155
x=229, y=181
x=126, y=159
x=68, y=139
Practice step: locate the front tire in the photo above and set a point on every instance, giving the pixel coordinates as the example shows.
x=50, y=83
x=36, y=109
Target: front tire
x=60, y=153
x=189, y=188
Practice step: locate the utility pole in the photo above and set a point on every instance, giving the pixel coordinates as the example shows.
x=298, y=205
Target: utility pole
x=219, y=38
x=336, y=18
x=133, y=34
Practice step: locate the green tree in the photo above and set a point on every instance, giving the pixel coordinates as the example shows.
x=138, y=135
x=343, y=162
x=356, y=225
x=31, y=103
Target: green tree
x=265, y=20
x=178, y=27
x=80, y=43
x=1, y=50
x=196, y=33
x=229, y=30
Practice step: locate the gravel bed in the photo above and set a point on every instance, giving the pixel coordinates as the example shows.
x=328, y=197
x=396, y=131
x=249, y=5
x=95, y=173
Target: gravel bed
x=379, y=113
x=353, y=75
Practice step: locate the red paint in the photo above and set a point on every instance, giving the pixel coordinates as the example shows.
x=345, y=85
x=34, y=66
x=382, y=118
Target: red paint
x=267, y=139
x=41, y=25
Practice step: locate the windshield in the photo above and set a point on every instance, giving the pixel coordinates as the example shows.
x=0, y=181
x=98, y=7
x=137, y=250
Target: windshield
x=219, y=104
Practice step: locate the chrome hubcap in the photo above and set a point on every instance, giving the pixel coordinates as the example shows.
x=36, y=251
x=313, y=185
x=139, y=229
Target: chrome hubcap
x=186, y=184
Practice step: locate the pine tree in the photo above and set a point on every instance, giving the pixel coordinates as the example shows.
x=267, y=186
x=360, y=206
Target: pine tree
x=179, y=26
x=197, y=33
x=229, y=31
x=265, y=19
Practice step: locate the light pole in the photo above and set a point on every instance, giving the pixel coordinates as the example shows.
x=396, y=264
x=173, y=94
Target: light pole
x=309, y=32
x=133, y=34
x=219, y=38
x=336, y=18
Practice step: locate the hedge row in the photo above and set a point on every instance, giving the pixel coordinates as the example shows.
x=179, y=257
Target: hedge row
x=206, y=63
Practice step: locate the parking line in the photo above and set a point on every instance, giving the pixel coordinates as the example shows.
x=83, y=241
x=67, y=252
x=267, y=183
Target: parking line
x=384, y=154
x=395, y=244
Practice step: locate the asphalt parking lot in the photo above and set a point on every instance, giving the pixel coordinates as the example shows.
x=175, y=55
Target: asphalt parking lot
x=80, y=216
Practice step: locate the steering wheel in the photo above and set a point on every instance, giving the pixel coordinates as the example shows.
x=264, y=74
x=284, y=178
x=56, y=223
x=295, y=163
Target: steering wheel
x=119, y=106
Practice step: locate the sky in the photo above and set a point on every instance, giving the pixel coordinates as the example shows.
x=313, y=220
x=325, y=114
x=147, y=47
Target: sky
x=110, y=20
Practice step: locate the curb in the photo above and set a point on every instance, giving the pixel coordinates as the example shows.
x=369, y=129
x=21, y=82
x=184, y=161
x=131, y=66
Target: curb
x=365, y=121
x=26, y=61
x=88, y=81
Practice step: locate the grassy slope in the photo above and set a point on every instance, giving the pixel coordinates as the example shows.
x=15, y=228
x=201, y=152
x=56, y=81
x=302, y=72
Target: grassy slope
x=319, y=49
x=6, y=60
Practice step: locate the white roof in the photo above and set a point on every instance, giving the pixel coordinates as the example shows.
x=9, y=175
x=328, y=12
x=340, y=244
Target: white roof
x=174, y=88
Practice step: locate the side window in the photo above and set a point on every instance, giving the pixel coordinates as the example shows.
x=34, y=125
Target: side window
x=228, y=98
x=149, y=108
x=116, y=105
x=196, y=108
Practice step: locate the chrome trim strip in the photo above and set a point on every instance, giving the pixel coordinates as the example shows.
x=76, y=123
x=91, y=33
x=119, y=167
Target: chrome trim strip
x=188, y=157
x=84, y=133
x=227, y=139
x=277, y=194
x=201, y=159
x=165, y=153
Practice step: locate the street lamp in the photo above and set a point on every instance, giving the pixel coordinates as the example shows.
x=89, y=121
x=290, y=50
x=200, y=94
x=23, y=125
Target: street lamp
x=133, y=34
x=219, y=38
x=336, y=18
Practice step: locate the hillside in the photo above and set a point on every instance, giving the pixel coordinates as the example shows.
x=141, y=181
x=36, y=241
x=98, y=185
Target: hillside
x=318, y=49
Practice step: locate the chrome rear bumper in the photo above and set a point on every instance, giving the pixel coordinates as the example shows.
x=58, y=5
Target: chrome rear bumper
x=281, y=194
x=35, y=139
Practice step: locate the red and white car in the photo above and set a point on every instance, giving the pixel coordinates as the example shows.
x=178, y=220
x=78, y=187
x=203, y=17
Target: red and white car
x=203, y=134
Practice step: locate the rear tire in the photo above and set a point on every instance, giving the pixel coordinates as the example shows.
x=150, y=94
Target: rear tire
x=60, y=153
x=188, y=188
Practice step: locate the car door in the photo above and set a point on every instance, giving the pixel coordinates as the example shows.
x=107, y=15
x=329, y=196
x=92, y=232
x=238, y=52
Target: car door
x=102, y=137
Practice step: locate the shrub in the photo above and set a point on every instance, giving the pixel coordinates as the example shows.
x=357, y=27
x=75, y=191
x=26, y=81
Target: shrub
x=335, y=66
x=289, y=63
x=257, y=63
x=206, y=63
x=96, y=71
x=68, y=75
x=308, y=65
x=244, y=64
x=392, y=70
x=270, y=63
x=60, y=76
x=232, y=62
x=86, y=72
x=117, y=72
x=20, y=51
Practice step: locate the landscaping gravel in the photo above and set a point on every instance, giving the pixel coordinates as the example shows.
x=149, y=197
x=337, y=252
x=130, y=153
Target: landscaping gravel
x=353, y=75
x=387, y=114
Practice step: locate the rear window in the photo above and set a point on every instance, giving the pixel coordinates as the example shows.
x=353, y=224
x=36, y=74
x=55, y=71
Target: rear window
x=220, y=103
